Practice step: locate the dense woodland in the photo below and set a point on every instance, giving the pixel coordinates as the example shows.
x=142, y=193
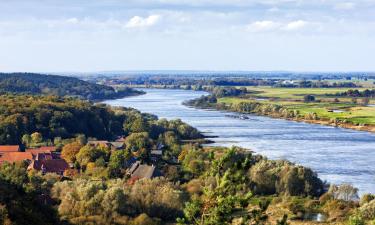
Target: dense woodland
x=29, y=83
x=67, y=117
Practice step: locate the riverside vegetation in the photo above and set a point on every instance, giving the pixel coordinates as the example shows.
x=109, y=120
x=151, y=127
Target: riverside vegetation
x=200, y=185
x=328, y=106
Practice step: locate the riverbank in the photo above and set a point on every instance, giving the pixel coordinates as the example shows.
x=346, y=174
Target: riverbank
x=327, y=114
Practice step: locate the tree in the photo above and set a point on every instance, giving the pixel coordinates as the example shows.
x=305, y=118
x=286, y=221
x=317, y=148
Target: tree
x=344, y=192
x=90, y=154
x=116, y=163
x=139, y=143
x=309, y=98
x=70, y=151
x=156, y=197
x=26, y=139
x=36, y=138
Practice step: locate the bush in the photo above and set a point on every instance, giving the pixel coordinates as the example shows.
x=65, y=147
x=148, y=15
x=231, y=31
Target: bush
x=156, y=197
x=309, y=98
x=367, y=211
x=356, y=220
x=366, y=199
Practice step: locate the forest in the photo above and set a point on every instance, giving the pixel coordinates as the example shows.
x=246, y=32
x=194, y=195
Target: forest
x=31, y=83
x=67, y=117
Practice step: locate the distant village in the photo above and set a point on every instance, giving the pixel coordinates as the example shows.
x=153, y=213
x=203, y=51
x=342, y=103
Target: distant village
x=47, y=159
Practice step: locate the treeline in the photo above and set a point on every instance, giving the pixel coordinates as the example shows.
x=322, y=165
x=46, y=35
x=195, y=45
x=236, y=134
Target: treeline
x=315, y=84
x=31, y=83
x=215, y=93
x=176, y=81
x=197, y=83
x=356, y=93
x=54, y=116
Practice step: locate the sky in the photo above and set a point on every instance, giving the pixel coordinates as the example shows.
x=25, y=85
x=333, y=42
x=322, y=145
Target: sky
x=215, y=35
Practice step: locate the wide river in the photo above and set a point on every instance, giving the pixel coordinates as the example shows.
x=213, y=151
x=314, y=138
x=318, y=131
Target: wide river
x=338, y=155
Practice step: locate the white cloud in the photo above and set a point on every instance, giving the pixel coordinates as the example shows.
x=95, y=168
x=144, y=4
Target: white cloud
x=72, y=20
x=345, y=6
x=265, y=25
x=139, y=22
x=269, y=25
x=295, y=25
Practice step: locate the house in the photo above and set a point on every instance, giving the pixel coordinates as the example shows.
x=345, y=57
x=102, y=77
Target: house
x=9, y=148
x=12, y=157
x=43, y=149
x=47, y=156
x=57, y=166
x=115, y=145
x=139, y=171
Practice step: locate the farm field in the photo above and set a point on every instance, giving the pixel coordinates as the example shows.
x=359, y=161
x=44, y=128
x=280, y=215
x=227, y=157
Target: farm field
x=324, y=107
x=295, y=93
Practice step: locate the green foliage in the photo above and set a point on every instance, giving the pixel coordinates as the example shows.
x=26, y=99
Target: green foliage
x=90, y=154
x=116, y=163
x=356, y=220
x=21, y=196
x=367, y=210
x=28, y=83
x=114, y=200
x=139, y=143
x=54, y=117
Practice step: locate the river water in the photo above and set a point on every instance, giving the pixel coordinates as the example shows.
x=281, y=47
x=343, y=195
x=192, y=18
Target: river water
x=338, y=155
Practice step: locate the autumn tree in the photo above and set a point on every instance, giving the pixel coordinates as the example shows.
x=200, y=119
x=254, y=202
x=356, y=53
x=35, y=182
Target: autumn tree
x=70, y=151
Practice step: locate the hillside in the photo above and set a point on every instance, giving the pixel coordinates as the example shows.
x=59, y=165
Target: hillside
x=31, y=83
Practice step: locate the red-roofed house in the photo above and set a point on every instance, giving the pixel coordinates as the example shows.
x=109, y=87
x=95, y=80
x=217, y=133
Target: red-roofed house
x=47, y=156
x=45, y=149
x=49, y=166
x=9, y=148
x=12, y=157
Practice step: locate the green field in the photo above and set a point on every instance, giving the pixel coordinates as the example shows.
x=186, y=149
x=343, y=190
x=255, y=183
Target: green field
x=295, y=93
x=324, y=107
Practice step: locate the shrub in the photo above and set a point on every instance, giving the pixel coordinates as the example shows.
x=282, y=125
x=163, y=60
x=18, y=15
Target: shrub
x=367, y=211
x=366, y=199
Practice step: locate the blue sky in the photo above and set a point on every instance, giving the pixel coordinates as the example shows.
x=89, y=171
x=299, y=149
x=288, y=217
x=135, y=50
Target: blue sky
x=93, y=35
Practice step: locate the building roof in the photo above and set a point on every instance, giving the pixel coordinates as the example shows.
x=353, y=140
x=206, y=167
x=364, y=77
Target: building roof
x=47, y=148
x=15, y=156
x=140, y=171
x=50, y=166
x=10, y=148
x=98, y=142
x=47, y=156
x=37, y=151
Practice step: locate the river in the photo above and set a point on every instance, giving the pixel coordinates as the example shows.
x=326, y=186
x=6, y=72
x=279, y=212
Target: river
x=338, y=155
